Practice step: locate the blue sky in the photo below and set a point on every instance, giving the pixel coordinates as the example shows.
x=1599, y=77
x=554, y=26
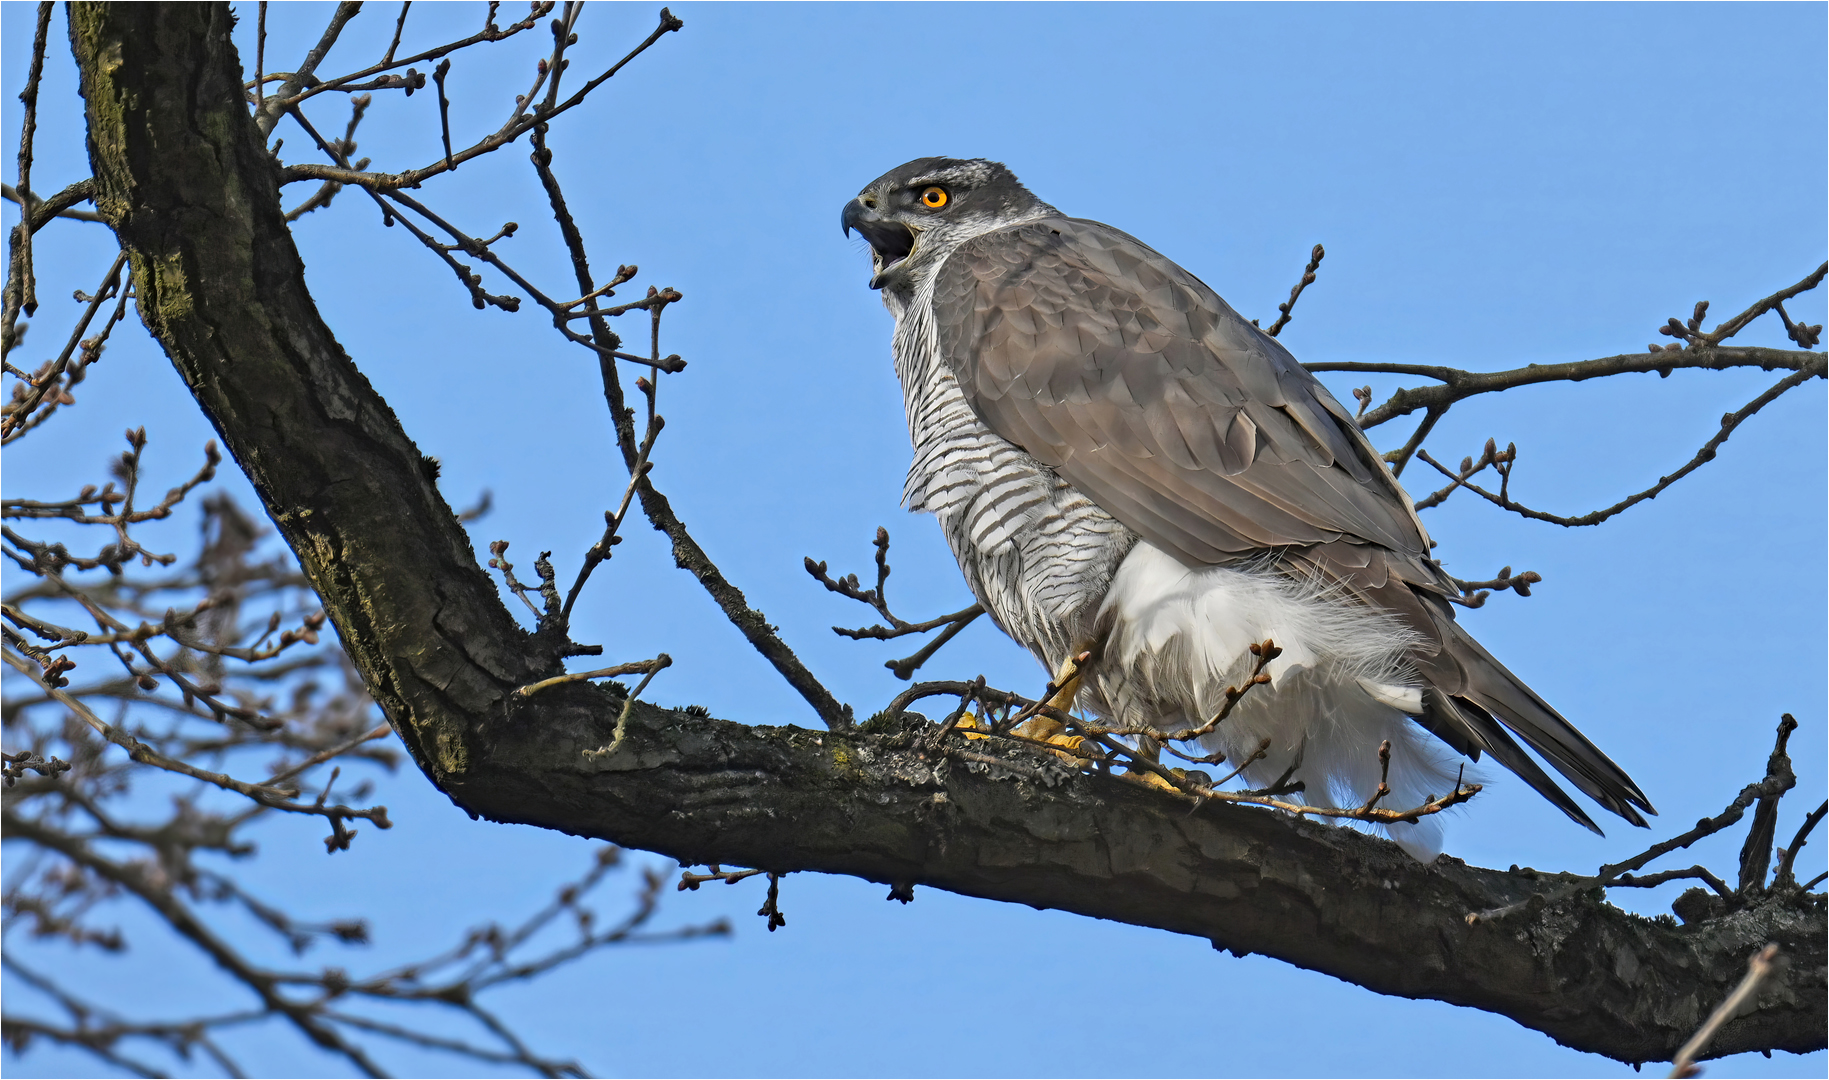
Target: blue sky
x=1496, y=185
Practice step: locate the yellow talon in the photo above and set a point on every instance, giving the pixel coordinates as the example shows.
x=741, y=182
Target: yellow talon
x=1153, y=780
x=1042, y=728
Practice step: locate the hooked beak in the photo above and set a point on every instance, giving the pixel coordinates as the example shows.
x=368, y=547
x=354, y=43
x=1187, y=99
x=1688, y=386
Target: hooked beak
x=890, y=241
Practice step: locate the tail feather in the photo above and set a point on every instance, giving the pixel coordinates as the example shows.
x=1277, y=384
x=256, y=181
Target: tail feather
x=1470, y=700
x=1497, y=693
x=1470, y=729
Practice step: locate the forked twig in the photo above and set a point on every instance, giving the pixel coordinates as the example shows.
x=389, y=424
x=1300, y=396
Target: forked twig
x=1779, y=779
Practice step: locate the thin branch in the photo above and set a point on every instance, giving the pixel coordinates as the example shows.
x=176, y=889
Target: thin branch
x=1287, y=308
x=58, y=205
x=1779, y=779
x=514, y=129
x=1784, y=874
x=19, y=1029
x=1400, y=458
x=22, y=277
x=687, y=554
x=379, y=731
x=1734, y=325
x=1699, y=873
x=1811, y=370
x=1458, y=385
x=387, y=58
x=272, y=110
x=454, y=1046
x=877, y=599
x=146, y=755
x=1763, y=964
x=644, y=667
x=1470, y=468
x=185, y=922
x=444, y=109
x=905, y=668
x=260, y=59
x=489, y=33
x=328, y=190
x=17, y=412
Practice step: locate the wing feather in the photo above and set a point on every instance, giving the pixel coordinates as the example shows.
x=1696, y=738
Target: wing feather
x=1109, y=363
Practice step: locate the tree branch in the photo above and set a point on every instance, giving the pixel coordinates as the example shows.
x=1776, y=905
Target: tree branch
x=1812, y=369
x=184, y=179
x=1458, y=385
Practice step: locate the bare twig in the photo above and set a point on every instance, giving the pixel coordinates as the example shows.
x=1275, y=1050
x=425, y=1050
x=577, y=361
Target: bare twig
x=1458, y=385
x=1475, y=593
x=260, y=59
x=1785, y=873
x=43, y=210
x=952, y=719
x=691, y=881
x=906, y=667
x=21, y=294
x=1811, y=370
x=444, y=109
x=1779, y=779
x=1287, y=308
x=1401, y=457
x=1763, y=963
x=687, y=554
x=379, y=731
x=1692, y=331
x=644, y=667
x=877, y=599
x=514, y=129
x=146, y=755
x=1699, y=873
x=1470, y=468
x=387, y=58
x=771, y=907
x=16, y=413
x=270, y=111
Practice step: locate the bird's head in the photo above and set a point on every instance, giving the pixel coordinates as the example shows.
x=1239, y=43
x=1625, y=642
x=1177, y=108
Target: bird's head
x=915, y=214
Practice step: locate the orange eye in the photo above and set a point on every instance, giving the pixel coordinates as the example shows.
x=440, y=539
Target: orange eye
x=934, y=198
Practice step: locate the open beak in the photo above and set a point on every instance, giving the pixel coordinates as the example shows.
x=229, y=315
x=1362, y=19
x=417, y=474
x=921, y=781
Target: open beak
x=890, y=241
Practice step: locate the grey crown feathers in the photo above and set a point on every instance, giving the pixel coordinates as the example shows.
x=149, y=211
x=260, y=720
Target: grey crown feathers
x=1123, y=465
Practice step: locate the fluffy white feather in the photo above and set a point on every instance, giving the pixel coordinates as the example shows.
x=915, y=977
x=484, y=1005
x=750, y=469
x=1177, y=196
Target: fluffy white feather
x=1179, y=637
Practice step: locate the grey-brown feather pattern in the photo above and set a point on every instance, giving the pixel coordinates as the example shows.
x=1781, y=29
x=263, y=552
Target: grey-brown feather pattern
x=1139, y=386
x=1106, y=361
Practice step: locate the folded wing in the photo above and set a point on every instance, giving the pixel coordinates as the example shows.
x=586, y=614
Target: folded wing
x=1133, y=379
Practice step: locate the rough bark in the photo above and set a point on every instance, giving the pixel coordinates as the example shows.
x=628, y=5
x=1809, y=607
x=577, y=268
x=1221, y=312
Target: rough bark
x=182, y=175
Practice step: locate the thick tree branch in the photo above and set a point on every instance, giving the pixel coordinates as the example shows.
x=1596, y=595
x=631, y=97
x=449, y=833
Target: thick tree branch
x=183, y=178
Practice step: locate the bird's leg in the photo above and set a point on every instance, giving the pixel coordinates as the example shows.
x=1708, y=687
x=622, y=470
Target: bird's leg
x=1059, y=695
x=1062, y=689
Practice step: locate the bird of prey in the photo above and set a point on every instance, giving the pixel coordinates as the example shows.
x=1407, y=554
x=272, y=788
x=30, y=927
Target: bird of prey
x=1124, y=467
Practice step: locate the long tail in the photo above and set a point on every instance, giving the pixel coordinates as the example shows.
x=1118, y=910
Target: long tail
x=1467, y=713
x=1471, y=702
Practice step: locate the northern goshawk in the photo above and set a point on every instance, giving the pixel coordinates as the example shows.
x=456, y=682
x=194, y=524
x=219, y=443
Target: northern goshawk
x=1125, y=467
